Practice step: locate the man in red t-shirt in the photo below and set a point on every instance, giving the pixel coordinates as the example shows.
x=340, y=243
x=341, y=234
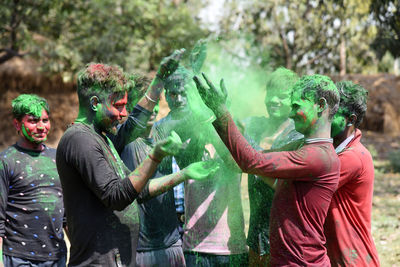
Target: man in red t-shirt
x=307, y=177
x=348, y=224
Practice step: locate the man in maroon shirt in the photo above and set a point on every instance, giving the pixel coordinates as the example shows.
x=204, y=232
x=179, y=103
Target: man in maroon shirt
x=348, y=223
x=306, y=178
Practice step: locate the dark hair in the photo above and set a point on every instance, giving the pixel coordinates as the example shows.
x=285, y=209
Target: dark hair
x=100, y=80
x=136, y=86
x=353, y=100
x=181, y=73
x=281, y=74
x=29, y=104
x=313, y=87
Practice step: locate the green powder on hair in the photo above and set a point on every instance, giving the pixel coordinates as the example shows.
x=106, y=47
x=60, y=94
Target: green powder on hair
x=29, y=104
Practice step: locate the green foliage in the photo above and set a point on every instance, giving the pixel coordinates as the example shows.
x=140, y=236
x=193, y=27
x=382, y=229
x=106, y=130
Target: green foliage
x=65, y=35
x=387, y=16
x=305, y=35
x=394, y=158
x=372, y=150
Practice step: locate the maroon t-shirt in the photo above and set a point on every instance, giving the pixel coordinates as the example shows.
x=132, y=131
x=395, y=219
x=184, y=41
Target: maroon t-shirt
x=348, y=223
x=308, y=178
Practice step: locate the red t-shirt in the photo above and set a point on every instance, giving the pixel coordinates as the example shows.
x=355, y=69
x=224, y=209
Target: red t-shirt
x=308, y=179
x=348, y=224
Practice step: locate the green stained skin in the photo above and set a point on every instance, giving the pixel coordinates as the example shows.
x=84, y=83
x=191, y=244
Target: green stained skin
x=304, y=113
x=172, y=145
x=306, y=92
x=279, y=89
x=338, y=123
x=29, y=137
x=201, y=170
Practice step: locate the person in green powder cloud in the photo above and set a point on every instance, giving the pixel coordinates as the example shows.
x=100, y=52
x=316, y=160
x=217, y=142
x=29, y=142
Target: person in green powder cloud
x=277, y=129
x=31, y=202
x=307, y=177
x=214, y=223
x=98, y=188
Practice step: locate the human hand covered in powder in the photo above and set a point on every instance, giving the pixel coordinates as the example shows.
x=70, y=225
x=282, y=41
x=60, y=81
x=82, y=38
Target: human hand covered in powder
x=214, y=99
x=201, y=170
x=169, y=64
x=170, y=146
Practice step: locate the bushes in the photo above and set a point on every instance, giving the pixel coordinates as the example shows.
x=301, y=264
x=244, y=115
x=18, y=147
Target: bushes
x=394, y=158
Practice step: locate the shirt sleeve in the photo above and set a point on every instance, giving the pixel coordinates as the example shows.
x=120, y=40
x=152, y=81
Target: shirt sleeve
x=87, y=156
x=132, y=128
x=350, y=166
x=4, y=185
x=307, y=163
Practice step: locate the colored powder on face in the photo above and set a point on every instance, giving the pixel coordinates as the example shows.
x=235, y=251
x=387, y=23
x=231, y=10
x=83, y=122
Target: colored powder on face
x=28, y=135
x=314, y=87
x=29, y=104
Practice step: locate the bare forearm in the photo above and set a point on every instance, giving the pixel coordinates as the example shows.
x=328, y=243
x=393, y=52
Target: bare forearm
x=140, y=176
x=165, y=183
x=150, y=99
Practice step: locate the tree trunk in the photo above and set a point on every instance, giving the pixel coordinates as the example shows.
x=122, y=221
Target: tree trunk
x=342, y=55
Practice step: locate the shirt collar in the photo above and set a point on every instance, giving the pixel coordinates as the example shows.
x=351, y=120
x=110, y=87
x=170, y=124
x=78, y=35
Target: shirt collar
x=343, y=145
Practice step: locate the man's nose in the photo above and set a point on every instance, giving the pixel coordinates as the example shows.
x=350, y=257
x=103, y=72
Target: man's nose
x=179, y=99
x=40, y=125
x=123, y=113
x=275, y=99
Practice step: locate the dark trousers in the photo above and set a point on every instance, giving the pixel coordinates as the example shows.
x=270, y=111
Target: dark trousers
x=10, y=261
x=194, y=259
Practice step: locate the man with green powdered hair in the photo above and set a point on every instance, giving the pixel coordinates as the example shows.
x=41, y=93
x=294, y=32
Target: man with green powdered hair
x=214, y=223
x=278, y=128
x=98, y=188
x=31, y=202
x=307, y=177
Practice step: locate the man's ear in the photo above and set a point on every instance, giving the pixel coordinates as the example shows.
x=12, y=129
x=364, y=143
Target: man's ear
x=94, y=100
x=17, y=125
x=351, y=119
x=322, y=104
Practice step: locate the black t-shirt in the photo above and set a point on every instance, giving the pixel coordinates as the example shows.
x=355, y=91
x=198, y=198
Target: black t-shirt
x=103, y=223
x=31, y=204
x=159, y=226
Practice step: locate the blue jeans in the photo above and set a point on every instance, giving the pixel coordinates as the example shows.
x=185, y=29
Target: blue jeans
x=10, y=261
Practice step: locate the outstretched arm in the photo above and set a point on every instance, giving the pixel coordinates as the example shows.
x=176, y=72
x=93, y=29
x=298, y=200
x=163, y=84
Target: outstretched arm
x=167, y=67
x=303, y=164
x=196, y=171
x=140, y=176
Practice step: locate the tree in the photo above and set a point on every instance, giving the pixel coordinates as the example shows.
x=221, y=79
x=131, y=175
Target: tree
x=64, y=35
x=387, y=15
x=305, y=35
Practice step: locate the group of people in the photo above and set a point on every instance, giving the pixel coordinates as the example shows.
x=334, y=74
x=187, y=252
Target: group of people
x=109, y=184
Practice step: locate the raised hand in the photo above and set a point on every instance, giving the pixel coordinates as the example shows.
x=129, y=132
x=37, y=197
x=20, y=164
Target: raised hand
x=198, y=55
x=170, y=146
x=169, y=64
x=214, y=99
x=201, y=170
